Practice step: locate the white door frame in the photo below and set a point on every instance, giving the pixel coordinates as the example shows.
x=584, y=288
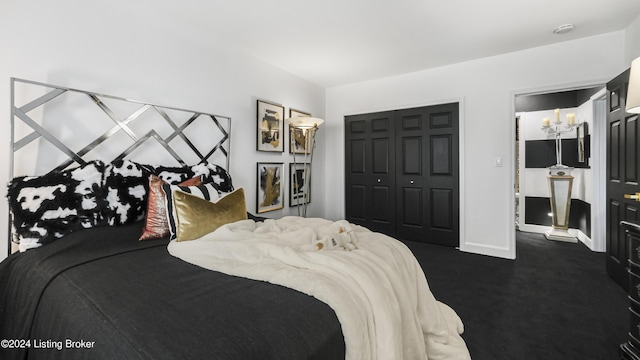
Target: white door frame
x=599, y=167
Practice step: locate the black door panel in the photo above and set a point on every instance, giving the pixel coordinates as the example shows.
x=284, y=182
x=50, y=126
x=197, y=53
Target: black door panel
x=402, y=175
x=623, y=165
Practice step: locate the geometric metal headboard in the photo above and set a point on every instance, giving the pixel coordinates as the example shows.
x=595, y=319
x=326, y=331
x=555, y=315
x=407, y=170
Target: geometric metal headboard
x=53, y=128
x=184, y=136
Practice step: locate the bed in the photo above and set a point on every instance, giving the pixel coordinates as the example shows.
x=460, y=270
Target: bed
x=97, y=276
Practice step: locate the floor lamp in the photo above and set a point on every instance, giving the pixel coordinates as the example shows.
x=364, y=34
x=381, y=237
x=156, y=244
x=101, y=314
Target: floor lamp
x=560, y=180
x=302, y=135
x=633, y=91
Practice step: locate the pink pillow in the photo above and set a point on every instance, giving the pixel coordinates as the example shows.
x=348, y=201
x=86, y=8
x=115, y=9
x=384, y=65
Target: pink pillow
x=156, y=225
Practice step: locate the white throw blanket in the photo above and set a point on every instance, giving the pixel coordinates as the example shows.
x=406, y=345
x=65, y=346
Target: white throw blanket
x=378, y=291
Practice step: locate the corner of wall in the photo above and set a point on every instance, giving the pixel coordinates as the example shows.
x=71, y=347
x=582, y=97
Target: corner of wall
x=632, y=41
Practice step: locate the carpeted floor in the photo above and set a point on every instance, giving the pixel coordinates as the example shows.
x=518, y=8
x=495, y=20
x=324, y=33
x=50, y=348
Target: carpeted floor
x=555, y=301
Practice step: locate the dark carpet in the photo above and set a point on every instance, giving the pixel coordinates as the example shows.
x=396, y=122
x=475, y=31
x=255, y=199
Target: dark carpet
x=555, y=301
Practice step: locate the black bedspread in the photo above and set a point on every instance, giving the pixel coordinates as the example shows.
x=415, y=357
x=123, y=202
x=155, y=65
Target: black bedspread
x=119, y=298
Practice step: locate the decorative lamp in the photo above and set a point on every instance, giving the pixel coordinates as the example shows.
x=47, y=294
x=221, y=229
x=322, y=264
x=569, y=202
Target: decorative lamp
x=303, y=128
x=633, y=91
x=560, y=180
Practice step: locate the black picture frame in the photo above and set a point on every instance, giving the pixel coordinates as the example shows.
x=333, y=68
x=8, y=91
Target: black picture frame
x=270, y=186
x=299, y=192
x=270, y=126
x=298, y=141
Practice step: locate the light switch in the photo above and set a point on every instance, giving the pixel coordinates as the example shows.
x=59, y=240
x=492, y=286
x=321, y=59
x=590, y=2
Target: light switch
x=498, y=161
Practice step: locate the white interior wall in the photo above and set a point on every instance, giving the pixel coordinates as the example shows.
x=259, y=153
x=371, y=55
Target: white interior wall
x=488, y=87
x=97, y=47
x=632, y=41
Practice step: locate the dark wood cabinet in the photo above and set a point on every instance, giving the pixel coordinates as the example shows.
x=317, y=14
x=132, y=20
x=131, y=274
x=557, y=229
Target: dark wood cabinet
x=402, y=173
x=631, y=349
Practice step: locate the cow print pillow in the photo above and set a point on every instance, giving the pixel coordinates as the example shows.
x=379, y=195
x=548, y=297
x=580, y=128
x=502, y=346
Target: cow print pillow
x=47, y=207
x=216, y=175
x=126, y=185
x=173, y=175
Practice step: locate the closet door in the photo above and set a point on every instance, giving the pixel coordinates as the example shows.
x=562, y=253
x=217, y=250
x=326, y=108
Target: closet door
x=412, y=189
x=402, y=175
x=427, y=174
x=370, y=171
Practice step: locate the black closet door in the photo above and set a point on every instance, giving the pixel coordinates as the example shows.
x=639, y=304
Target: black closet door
x=402, y=174
x=427, y=174
x=370, y=171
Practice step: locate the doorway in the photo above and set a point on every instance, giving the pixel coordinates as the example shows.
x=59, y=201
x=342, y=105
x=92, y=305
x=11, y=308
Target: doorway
x=535, y=152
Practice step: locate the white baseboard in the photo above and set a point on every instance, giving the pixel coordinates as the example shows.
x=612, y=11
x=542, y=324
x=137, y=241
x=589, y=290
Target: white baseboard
x=575, y=232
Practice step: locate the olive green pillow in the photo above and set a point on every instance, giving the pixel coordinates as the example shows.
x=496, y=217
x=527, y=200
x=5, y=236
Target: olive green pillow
x=196, y=217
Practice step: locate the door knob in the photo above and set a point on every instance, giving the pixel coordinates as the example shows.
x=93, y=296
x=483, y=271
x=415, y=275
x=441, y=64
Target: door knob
x=635, y=196
x=378, y=180
x=411, y=181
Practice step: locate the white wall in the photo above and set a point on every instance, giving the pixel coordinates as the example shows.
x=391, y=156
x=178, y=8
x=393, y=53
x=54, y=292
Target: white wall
x=632, y=41
x=127, y=51
x=487, y=88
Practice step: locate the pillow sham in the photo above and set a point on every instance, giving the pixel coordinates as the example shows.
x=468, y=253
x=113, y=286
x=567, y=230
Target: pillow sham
x=206, y=191
x=156, y=225
x=125, y=185
x=174, y=175
x=45, y=208
x=216, y=175
x=210, y=172
x=196, y=217
x=48, y=207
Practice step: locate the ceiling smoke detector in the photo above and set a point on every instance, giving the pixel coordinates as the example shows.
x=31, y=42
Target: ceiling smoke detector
x=563, y=29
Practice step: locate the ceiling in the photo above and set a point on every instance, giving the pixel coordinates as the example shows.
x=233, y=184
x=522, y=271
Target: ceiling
x=335, y=42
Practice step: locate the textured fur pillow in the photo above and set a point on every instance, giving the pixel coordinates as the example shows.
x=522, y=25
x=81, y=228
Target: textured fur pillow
x=45, y=208
x=126, y=185
x=173, y=175
x=215, y=175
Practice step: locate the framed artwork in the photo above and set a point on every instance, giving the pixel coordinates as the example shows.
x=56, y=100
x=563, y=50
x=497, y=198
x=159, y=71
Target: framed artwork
x=297, y=113
x=300, y=141
x=270, y=191
x=270, y=122
x=299, y=190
